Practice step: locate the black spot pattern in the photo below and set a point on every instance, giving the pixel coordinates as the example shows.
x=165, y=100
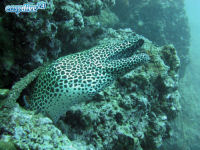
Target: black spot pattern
x=77, y=77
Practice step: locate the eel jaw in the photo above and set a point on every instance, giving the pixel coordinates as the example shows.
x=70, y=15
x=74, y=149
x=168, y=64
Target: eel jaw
x=125, y=59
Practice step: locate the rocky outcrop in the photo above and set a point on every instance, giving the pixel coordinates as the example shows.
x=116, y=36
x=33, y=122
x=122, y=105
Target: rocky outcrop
x=133, y=113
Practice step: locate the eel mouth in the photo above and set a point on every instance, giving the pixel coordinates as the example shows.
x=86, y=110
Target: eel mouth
x=128, y=52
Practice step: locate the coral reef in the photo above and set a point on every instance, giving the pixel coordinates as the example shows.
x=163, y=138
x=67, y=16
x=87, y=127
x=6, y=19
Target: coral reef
x=67, y=26
x=42, y=36
x=133, y=113
x=24, y=130
x=186, y=124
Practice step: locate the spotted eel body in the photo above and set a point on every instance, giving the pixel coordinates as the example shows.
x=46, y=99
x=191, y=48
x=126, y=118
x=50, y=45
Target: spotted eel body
x=77, y=77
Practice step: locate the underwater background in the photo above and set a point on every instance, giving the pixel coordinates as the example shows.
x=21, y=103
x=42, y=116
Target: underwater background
x=100, y=75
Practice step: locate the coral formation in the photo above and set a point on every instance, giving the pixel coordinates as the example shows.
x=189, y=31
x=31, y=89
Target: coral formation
x=132, y=113
x=135, y=108
x=25, y=130
x=41, y=36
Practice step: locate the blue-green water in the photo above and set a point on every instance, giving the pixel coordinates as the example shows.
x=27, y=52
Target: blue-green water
x=186, y=126
x=192, y=92
x=193, y=12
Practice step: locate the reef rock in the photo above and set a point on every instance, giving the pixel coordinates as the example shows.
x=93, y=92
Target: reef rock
x=34, y=38
x=133, y=113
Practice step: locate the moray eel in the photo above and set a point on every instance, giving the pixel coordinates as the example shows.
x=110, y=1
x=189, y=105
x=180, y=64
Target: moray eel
x=77, y=77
